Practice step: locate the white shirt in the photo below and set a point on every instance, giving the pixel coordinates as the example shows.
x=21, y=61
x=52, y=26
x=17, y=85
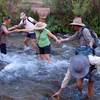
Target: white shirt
x=27, y=24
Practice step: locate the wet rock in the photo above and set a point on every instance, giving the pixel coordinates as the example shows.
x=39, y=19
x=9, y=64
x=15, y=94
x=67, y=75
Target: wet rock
x=3, y=97
x=2, y=64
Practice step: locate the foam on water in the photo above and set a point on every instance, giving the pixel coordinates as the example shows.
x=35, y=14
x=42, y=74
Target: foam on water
x=29, y=65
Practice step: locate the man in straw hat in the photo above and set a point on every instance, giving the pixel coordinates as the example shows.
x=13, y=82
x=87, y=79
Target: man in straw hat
x=28, y=23
x=86, y=48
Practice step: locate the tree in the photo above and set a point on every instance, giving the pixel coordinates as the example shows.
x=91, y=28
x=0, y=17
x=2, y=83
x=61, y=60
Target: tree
x=81, y=7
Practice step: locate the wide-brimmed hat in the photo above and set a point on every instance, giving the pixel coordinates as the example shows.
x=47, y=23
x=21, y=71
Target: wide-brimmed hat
x=77, y=21
x=40, y=26
x=22, y=15
x=79, y=66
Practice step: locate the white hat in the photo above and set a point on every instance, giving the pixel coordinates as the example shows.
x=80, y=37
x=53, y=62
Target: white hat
x=40, y=25
x=22, y=15
x=77, y=21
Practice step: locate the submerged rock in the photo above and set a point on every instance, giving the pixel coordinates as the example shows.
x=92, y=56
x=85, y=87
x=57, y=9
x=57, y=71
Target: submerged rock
x=2, y=64
x=4, y=97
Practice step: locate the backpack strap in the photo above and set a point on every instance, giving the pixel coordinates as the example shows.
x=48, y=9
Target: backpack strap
x=94, y=36
x=81, y=32
x=31, y=21
x=1, y=30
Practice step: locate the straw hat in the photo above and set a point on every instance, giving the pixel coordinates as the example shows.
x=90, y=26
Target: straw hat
x=77, y=21
x=22, y=15
x=79, y=66
x=40, y=26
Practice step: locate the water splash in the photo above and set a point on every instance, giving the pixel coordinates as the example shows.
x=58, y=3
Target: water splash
x=28, y=65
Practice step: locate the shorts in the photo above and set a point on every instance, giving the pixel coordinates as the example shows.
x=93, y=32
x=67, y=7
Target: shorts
x=91, y=73
x=85, y=50
x=3, y=48
x=31, y=35
x=44, y=50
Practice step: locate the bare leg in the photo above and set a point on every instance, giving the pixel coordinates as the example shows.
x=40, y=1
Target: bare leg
x=33, y=42
x=79, y=85
x=42, y=57
x=26, y=41
x=90, y=88
x=47, y=57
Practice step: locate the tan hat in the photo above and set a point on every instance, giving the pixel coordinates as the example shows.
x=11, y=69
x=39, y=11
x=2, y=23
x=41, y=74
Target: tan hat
x=22, y=15
x=40, y=25
x=77, y=21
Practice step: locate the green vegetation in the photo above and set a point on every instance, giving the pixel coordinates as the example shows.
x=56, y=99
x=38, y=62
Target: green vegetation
x=13, y=8
x=62, y=12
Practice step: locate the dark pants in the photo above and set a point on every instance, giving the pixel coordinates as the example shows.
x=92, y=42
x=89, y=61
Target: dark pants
x=44, y=50
x=3, y=48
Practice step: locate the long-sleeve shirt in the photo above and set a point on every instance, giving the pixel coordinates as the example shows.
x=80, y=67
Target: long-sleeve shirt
x=83, y=36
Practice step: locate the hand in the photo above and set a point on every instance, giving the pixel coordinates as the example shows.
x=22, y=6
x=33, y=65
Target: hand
x=17, y=30
x=58, y=41
x=61, y=40
x=15, y=26
x=56, y=98
x=56, y=94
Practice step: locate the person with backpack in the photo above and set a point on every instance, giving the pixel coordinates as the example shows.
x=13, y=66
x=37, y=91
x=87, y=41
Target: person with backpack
x=4, y=32
x=86, y=48
x=27, y=23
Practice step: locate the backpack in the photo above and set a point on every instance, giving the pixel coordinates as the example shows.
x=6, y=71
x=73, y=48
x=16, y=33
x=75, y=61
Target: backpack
x=94, y=36
x=31, y=21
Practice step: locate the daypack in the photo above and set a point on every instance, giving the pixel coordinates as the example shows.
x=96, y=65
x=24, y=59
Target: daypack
x=29, y=21
x=94, y=36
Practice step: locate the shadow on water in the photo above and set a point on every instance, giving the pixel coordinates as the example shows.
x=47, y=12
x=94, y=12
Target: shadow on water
x=25, y=77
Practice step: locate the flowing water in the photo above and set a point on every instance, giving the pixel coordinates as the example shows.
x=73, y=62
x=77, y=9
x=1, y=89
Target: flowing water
x=26, y=77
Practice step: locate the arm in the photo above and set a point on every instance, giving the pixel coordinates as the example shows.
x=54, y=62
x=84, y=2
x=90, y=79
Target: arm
x=69, y=38
x=66, y=79
x=64, y=83
x=23, y=30
x=6, y=31
x=53, y=36
x=16, y=26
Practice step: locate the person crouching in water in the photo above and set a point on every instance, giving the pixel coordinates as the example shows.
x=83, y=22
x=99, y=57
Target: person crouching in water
x=42, y=36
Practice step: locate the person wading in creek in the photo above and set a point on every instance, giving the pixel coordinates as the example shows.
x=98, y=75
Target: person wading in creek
x=28, y=23
x=42, y=39
x=86, y=42
x=4, y=32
